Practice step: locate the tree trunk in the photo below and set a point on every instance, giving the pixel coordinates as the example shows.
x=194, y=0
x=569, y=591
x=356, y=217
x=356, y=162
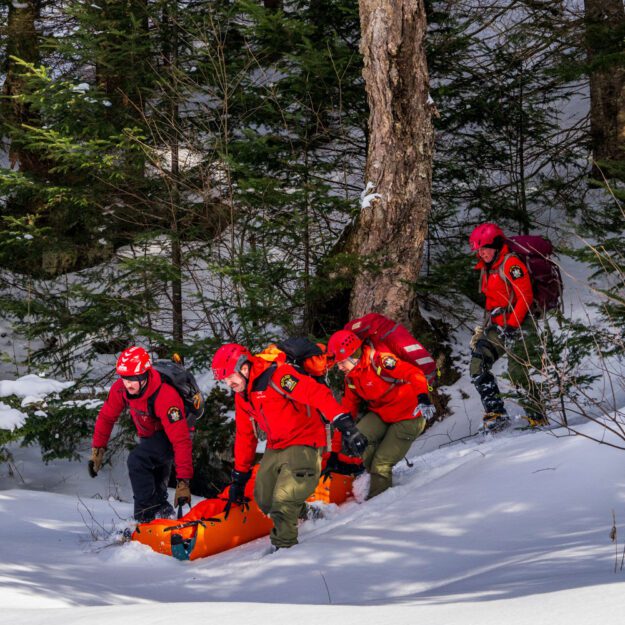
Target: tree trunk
x=605, y=25
x=22, y=42
x=170, y=22
x=391, y=231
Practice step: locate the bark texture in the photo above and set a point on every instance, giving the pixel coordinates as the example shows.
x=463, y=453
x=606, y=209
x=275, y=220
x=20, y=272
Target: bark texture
x=391, y=231
x=605, y=26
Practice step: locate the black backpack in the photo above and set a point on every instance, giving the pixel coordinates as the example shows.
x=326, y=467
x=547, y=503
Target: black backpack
x=298, y=351
x=185, y=384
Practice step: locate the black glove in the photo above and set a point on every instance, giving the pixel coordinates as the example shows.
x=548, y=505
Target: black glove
x=331, y=466
x=354, y=441
x=334, y=465
x=424, y=407
x=236, y=494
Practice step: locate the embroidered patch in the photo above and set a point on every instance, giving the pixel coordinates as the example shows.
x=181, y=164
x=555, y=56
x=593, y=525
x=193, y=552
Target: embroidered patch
x=516, y=272
x=389, y=362
x=174, y=415
x=288, y=382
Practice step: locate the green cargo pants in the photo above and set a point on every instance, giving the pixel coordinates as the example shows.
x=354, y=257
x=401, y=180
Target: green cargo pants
x=524, y=359
x=285, y=479
x=388, y=444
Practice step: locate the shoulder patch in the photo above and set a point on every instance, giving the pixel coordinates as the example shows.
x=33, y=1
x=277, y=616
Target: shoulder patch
x=174, y=414
x=516, y=272
x=288, y=382
x=388, y=362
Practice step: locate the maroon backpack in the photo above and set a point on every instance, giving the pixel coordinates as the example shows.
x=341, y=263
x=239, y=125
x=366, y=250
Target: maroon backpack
x=386, y=334
x=536, y=253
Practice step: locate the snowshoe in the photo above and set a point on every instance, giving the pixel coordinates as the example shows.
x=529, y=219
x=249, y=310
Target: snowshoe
x=494, y=422
x=535, y=421
x=166, y=511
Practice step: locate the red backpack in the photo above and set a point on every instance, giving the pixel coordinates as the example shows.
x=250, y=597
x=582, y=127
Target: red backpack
x=388, y=335
x=536, y=253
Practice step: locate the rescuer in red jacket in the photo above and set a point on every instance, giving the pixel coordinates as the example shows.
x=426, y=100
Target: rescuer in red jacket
x=396, y=398
x=389, y=336
x=164, y=436
x=288, y=406
x=509, y=328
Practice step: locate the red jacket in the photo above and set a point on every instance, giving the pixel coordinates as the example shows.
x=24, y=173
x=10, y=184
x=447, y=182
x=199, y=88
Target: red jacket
x=284, y=404
x=507, y=285
x=388, y=385
x=169, y=409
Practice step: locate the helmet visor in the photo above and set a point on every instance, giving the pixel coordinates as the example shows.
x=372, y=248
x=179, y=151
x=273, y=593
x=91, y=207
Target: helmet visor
x=135, y=378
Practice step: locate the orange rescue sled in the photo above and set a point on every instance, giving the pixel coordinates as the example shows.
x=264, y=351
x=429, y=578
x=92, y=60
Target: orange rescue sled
x=204, y=531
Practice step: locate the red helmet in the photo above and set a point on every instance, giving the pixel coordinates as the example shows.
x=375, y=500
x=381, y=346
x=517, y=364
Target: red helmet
x=484, y=235
x=228, y=359
x=134, y=361
x=343, y=344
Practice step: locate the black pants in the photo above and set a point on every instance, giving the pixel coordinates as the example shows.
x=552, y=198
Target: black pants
x=149, y=466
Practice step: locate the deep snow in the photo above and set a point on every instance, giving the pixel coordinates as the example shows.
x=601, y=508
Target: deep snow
x=508, y=529
x=513, y=528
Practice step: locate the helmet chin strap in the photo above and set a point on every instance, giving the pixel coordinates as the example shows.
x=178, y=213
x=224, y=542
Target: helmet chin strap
x=143, y=384
x=239, y=370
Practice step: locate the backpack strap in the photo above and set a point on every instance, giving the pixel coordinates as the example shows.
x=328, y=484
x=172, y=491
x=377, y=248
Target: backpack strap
x=506, y=281
x=152, y=403
x=378, y=369
x=260, y=384
x=389, y=332
x=154, y=396
x=387, y=378
x=280, y=391
x=263, y=380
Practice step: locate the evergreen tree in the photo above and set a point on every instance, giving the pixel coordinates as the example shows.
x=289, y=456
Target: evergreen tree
x=183, y=144
x=507, y=148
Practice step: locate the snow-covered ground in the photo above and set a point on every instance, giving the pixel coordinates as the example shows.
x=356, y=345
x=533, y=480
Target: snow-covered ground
x=504, y=530
x=514, y=529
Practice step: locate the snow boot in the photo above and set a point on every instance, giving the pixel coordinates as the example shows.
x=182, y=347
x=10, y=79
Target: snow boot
x=165, y=511
x=495, y=421
x=270, y=550
x=311, y=513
